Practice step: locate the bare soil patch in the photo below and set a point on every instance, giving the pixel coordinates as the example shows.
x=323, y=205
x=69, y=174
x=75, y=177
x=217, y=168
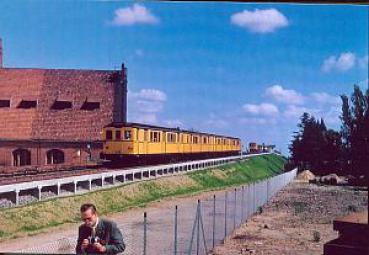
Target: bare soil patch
x=298, y=220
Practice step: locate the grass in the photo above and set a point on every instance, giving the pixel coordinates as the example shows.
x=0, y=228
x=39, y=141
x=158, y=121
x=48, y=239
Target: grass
x=41, y=216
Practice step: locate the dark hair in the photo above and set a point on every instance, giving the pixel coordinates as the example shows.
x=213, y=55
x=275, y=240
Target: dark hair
x=87, y=206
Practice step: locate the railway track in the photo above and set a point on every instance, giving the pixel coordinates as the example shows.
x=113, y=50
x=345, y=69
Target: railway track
x=29, y=175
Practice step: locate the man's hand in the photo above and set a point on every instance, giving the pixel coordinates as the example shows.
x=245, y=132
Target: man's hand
x=84, y=244
x=99, y=247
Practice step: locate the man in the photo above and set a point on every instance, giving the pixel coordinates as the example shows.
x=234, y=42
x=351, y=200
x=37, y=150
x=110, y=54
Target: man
x=98, y=235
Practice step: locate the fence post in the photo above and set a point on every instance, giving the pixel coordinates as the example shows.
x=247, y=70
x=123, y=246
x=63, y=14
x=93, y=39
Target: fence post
x=193, y=230
x=203, y=231
x=242, y=203
x=254, y=198
x=225, y=214
x=198, y=227
x=267, y=189
x=145, y=233
x=235, y=208
x=214, y=221
x=175, y=230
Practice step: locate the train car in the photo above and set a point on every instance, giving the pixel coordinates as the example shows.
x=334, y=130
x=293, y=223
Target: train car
x=253, y=148
x=134, y=143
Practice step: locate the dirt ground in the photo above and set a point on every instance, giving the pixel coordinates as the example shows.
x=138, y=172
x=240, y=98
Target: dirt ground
x=296, y=221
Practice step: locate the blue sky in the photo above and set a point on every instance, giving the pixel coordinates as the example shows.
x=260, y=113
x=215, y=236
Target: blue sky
x=247, y=70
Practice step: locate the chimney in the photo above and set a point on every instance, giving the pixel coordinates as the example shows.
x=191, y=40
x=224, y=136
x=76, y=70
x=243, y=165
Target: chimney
x=125, y=91
x=1, y=53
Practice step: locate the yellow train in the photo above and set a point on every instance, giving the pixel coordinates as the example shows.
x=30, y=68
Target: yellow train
x=132, y=143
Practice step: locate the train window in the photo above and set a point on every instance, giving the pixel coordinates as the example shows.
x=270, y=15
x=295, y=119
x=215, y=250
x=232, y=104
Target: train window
x=205, y=141
x=118, y=135
x=171, y=138
x=127, y=135
x=155, y=137
x=195, y=140
x=109, y=135
x=145, y=135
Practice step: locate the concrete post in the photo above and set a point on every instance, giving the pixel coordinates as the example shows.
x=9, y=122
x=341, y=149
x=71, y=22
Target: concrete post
x=58, y=189
x=39, y=193
x=75, y=187
x=16, y=197
x=89, y=185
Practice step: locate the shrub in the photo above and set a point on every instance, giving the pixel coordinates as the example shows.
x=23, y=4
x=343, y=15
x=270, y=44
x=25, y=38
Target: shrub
x=316, y=236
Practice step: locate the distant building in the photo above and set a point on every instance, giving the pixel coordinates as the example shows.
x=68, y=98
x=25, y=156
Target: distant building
x=54, y=117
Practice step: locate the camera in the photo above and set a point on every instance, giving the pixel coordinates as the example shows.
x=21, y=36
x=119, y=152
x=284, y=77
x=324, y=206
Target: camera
x=93, y=240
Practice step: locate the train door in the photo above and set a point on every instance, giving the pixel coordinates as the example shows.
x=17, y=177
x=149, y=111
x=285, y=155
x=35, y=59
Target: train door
x=141, y=141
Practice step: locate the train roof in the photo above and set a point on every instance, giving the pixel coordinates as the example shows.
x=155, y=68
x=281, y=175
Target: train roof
x=146, y=126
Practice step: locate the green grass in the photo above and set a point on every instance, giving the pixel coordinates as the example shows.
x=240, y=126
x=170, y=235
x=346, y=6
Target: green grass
x=41, y=216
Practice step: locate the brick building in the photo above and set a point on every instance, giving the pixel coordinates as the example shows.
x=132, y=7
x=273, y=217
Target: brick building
x=54, y=117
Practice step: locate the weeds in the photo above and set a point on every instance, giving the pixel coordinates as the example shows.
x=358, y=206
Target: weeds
x=352, y=208
x=316, y=236
x=299, y=207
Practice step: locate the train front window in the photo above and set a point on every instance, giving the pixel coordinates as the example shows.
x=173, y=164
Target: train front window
x=127, y=135
x=109, y=135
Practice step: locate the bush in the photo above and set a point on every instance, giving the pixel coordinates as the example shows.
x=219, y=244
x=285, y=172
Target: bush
x=260, y=210
x=352, y=208
x=316, y=236
x=299, y=207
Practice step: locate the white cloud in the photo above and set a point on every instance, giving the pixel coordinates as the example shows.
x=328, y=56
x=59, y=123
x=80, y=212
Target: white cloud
x=261, y=109
x=288, y=96
x=137, y=14
x=364, y=83
x=325, y=98
x=148, y=94
x=343, y=63
x=173, y=123
x=260, y=21
x=364, y=62
x=147, y=118
x=257, y=121
x=215, y=122
x=145, y=105
x=331, y=116
x=294, y=111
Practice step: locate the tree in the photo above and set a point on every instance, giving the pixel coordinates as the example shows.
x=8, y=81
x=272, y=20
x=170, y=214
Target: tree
x=314, y=147
x=355, y=131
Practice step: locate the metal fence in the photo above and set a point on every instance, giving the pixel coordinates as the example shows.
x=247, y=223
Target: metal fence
x=189, y=228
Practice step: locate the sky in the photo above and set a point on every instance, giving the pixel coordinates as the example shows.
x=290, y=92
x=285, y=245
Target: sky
x=238, y=69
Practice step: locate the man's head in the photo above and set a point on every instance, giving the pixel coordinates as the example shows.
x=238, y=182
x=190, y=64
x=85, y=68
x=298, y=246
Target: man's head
x=89, y=214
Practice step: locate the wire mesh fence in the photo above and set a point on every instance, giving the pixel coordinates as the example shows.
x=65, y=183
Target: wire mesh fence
x=191, y=227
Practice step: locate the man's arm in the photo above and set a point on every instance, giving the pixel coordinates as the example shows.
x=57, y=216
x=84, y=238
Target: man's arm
x=79, y=242
x=116, y=243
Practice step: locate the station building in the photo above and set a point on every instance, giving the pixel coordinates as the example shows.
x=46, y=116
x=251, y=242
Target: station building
x=53, y=118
